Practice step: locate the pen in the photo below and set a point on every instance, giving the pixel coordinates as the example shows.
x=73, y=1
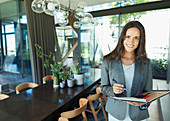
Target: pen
x=117, y=83
x=146, y=97
x=148, y=93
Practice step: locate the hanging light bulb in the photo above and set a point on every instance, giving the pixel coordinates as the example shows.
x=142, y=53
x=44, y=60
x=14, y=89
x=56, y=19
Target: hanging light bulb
x=62, y=14
x=57, y=13
x=65, y=13
x=76, y=24
x=51, y=6
x=94, y=22
x=79, y=13
x=63, y=21
x=88, y=18
x=37, y=6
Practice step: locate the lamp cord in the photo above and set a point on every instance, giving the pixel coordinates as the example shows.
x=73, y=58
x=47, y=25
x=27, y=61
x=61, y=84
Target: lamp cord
x=69, y=5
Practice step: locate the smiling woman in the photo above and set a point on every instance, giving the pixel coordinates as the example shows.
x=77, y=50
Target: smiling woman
x=129, y=61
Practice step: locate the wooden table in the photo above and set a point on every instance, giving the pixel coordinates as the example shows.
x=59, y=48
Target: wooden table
x=43, y=102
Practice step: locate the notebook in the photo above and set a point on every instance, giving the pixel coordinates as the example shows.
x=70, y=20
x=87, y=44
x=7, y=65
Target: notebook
x=146, y=97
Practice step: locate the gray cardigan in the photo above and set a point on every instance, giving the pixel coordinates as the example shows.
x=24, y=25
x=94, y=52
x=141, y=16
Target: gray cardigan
x=142, y=82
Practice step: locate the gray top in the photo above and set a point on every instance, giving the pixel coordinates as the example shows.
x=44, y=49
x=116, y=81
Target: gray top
x=129, y=74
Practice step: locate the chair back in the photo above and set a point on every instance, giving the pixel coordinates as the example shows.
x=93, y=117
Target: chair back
x=3, y=96
x=62, y=119
x=46, y=78
x=94, y=111
x=25, y=86
x=73, y=113
x=99, y=90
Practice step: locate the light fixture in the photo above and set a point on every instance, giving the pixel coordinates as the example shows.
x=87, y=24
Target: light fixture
x=61, y=12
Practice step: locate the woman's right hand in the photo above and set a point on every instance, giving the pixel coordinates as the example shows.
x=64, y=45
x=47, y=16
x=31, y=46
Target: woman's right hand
x=118, y=88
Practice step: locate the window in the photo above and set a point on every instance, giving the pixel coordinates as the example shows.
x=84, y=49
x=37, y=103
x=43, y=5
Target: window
x=120, y=3
x=106, y=34
x=15, y=62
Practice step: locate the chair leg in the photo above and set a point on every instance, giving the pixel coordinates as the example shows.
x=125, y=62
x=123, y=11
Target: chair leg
x=105, y=98
x=93, y=111
x=104, y=113
x=84, y=116
x=82, y=102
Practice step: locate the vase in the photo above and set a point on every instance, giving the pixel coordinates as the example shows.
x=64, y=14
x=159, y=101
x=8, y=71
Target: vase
x=70, y=82
x=62, y=84
x=55, y=81
x=79, y=79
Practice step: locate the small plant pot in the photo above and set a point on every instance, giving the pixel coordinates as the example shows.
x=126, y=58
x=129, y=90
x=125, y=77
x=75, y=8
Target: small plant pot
x=70, y=82
x=79, y=79
x=62, y=84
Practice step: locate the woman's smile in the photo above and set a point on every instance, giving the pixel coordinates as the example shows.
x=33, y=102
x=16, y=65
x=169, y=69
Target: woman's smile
x=130, y=46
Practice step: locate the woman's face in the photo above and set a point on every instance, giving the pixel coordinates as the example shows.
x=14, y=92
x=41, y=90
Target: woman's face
x=131, y=39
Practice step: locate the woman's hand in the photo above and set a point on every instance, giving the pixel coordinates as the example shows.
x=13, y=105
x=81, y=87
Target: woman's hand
x=135, y=103
x=117, y=88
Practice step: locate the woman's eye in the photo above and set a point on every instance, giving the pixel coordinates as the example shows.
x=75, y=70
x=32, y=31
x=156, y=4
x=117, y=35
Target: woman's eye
x=136, y=38
x=127, y=36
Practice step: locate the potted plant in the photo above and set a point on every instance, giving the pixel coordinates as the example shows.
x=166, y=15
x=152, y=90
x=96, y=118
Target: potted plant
x=63, y=77
x=78, y=75
x=57, y=68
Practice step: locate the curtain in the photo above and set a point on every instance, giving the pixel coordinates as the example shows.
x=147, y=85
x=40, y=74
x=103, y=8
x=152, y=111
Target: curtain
x=41, y=30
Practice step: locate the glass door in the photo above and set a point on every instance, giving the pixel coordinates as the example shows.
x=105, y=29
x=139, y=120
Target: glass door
x=10, y=48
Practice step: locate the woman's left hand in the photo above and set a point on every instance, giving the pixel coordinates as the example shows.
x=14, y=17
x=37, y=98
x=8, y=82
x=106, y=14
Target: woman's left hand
x=135, y=103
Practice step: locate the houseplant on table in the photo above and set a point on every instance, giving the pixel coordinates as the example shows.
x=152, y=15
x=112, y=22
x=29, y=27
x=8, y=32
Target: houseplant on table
x=78, y=75
x=62, y=78
x=59, y=70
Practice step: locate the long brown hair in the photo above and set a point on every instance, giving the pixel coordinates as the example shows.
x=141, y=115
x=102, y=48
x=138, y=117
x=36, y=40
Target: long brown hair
x=119, y=51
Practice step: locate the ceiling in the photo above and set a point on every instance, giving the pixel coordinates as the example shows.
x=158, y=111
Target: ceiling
x=9, y=12
x=74, y=3
x=2, y=1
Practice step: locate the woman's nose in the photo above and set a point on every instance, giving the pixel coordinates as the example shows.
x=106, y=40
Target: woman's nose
x=130, y=40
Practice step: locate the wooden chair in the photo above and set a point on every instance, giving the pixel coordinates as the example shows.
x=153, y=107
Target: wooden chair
x=62, y=119
x=99, y=90
x=3, y=96
x=25, y=86
x=65, y=116
x=94, y=111
x=46, y=78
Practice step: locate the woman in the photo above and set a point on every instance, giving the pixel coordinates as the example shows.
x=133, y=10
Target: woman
x=127, y=66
